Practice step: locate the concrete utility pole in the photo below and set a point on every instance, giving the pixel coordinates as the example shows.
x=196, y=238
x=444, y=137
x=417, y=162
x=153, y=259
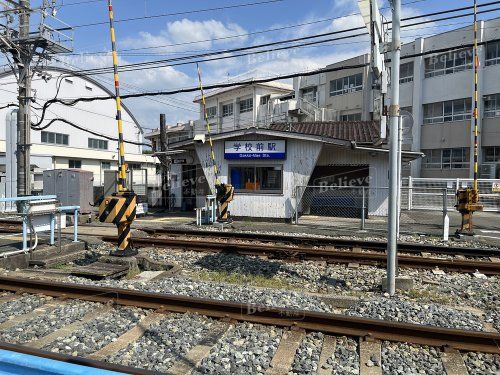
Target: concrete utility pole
x=26, y=48
x=24, y=114
x=393, y=151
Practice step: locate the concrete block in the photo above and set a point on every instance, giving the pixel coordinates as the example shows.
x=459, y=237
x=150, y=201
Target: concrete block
x=340, y=301
x=402, y=283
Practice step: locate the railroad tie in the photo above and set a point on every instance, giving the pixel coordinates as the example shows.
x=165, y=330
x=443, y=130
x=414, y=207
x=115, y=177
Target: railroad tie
x=69, y=329
x=284, y=356
x=15, y=320
x=133, y=334
x=327, y=350
x=370, y=362
x=195, y=356
x=8, y=297
x=453, y=362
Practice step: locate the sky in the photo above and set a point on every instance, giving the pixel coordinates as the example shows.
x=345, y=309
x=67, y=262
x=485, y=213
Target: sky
x=187, y=30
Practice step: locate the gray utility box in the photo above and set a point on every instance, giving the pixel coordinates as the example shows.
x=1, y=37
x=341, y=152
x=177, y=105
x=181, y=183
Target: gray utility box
x=73, y=187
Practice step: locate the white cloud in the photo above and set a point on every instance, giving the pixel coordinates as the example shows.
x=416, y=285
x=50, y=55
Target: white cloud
x=187, y=31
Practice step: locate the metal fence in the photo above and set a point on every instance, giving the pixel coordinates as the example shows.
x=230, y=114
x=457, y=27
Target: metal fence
x=488, y=196
x=346, y=208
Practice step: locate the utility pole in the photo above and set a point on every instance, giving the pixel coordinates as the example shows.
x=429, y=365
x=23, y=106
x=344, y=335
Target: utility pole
x=27, y=46
x=24, y=114
x=393, y=151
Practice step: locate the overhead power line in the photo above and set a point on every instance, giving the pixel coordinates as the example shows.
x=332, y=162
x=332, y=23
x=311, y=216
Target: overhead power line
x=161, y=63
x=238, y=35
x=74, y=101
x=205, y=10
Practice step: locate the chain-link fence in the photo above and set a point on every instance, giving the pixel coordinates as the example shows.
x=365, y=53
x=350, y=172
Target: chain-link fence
x=346, y=208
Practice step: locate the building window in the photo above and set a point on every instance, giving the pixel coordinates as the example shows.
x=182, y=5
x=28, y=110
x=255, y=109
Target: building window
x=227, y=110
x=309, y=94
x=55, y=138
x=406, y=72
x=491, y=154
x=448, y=158
x=246, y=105
x=260, y=179
x=211, y=112
x=265, y=99
x=351, y=117
x=346, y=84
x=98, y=144
x=134, y=166
x=492, y=53
x=74, y=164
x=105, y=165
x=448, y=63
x=492, y=105
x=451, y=110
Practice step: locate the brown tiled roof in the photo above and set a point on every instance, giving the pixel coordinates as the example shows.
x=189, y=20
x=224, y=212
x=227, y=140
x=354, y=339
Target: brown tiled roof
x=358, y=131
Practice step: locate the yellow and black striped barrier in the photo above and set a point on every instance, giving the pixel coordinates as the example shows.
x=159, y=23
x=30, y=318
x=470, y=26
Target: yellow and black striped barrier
x=120, y=209
x=225, y=194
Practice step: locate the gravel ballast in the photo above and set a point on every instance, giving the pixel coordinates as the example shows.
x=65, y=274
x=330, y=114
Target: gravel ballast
x=424, y=314
x=405, y=359
x=21, y=306
x=97, y=333
x=166, y=342
x=345, y=360
x=307, y=355
x=47, y=323
x=245, y=349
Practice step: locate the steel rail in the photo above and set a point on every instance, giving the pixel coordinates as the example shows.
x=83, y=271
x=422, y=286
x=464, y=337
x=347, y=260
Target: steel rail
x=74, y=360
x=322, y=241
x=335, y=324
x=309, y=253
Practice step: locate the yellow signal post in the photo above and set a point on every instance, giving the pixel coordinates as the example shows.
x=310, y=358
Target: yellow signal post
x=119, y=208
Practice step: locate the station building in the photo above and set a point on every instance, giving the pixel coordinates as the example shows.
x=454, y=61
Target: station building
x=281, y=148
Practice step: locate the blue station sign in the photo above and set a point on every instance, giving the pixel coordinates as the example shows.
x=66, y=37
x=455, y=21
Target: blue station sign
x=268, y=149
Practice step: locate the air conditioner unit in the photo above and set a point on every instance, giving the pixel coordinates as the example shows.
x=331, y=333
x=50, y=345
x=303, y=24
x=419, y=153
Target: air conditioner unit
x=488, y=171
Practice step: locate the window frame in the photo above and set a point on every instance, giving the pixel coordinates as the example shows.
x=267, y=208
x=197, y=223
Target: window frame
x=264, y=99
x=209, y=110
x=230, y=110
x=74, y=161
x=346, y=85
x=494, y=109
x=64, y=138
x=496, y=55
x=496, y=154
x=255, y=167
x=98, y=144
x=448, y=63
x=246, y=105
x=406, y=69
x=351, y=117
x=446, y=158
x=458, y=110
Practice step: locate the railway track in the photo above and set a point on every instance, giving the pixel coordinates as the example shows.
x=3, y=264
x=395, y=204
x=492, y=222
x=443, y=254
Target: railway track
x=294, y=324
x=310, y=253
x=291, y=240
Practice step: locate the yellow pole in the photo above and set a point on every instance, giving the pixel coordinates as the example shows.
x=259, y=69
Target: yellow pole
x=122, y=173
x=476, y=68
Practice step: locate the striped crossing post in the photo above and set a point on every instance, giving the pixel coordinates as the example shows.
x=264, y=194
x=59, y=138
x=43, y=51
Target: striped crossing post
x=122, y=174
x=476, y=130
x=119, y=208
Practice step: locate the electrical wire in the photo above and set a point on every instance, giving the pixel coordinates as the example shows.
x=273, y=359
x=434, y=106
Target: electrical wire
x=205, y=10
x=161, y=63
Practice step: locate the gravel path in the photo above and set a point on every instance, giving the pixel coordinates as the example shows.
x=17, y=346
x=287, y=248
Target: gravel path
x=425, y=314
x=345, y=360
x=164, y=343
x=97, y=333
x=43, y=325
x=246, y=349
x=405, y=359
x=22, y=305
x=307, y=355
x=482, y=364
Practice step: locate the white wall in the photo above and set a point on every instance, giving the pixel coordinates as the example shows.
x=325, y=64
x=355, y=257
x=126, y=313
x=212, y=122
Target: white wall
x=98, y=116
